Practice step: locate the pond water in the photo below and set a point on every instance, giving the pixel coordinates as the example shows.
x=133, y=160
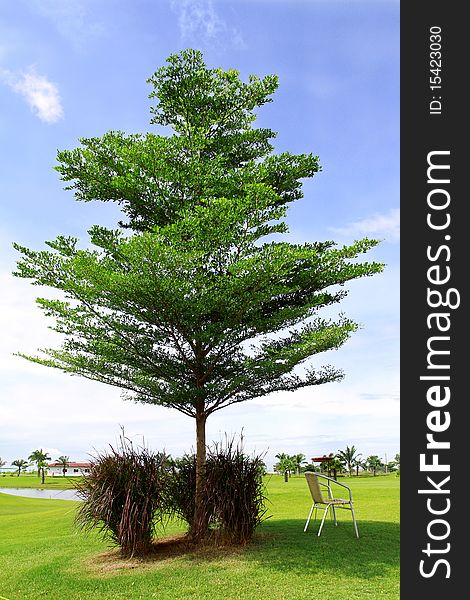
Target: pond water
x=37, y=493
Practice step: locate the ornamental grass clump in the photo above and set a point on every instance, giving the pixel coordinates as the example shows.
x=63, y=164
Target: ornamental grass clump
x=234, y=493
x=123, y=497
x=181, y=489
x=234, y=484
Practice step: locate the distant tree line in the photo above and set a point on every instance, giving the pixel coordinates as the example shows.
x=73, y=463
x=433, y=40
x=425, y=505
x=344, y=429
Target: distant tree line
x=39, y=459
x=347, y=461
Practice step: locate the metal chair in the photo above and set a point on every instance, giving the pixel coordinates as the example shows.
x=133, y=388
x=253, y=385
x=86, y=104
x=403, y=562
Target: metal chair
x=315, y=483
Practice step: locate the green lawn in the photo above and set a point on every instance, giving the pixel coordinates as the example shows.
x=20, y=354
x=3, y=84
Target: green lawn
x=43, y=556
x=33, y=481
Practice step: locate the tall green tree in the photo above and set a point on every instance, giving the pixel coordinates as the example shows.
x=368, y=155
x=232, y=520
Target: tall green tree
x=192, y=302
x=374, y=463
x=64, y=462
x=285, y=465
x=349, y=457
x=325, y=466
x=39, y=458
x=335, y=465
x=360, y=463
x=394, y=465
x=20, y=464
x=298, y=461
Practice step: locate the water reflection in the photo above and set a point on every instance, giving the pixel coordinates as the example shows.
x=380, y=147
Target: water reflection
x=37, y=493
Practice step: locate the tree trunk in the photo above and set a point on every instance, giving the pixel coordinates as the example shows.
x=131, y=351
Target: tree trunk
x=200, y=522
x=286, y=476
x=42, y=475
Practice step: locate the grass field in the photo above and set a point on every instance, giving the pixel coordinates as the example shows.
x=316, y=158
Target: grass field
x=43, y=556
x=33, y=481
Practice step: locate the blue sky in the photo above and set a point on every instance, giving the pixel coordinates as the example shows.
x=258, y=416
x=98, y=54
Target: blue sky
x=78, y=69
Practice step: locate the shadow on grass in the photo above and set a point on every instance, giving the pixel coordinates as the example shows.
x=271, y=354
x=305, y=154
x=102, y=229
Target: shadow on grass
x=283, y=546
x=164, y=550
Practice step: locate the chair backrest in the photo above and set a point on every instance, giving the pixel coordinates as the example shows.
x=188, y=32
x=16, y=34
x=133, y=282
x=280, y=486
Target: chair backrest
x=314, y=487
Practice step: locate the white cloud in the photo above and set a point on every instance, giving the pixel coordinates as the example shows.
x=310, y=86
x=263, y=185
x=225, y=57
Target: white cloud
x=379, y=225
x=199, y=22
x=54, y=453
x=315, y=421
x=41, y=94
x=22, y=323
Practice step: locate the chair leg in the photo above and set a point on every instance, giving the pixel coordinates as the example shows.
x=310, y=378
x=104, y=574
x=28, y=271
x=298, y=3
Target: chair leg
x=309, y=515
x=334, y=515
x=323, y=520
x=354, y=520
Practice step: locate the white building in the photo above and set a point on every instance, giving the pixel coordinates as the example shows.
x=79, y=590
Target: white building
x=72, y=469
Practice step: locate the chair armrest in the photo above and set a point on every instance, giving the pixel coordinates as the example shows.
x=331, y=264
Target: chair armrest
x=340, y=484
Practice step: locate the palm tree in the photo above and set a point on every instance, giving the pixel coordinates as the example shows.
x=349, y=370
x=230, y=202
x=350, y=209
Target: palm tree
x=40, y=458
x=21, y=464
x=394, y=465
x=335, y=465
x=373, y=463
x=64, y=461
x=348, y=457
x=2, y=463
x=298, y=460
x=285, y=465
x=360, y=464
x=326, y=466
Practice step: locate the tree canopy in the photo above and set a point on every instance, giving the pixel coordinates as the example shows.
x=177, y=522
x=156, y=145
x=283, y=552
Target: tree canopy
x=20, y=464
x=192, y=301
x=349, y=457
x=40, y=458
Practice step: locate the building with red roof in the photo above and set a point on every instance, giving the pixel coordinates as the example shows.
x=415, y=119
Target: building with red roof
x=73, y=469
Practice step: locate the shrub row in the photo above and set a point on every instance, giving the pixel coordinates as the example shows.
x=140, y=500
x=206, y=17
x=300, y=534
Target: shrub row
x=131, y=492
